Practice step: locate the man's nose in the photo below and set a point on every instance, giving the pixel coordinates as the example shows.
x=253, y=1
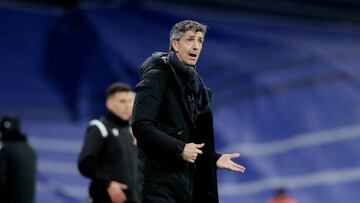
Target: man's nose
x=196, y=45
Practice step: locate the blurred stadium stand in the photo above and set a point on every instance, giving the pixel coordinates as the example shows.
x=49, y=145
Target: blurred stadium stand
x=285, y=77
x=338, y=10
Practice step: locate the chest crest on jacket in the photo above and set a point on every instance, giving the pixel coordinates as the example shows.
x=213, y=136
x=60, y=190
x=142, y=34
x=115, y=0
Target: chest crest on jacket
x=115, y=132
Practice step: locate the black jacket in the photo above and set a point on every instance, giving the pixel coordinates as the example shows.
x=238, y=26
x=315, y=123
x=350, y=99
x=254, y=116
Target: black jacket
x=17, y=170
x=109, y=154
x=162, y=125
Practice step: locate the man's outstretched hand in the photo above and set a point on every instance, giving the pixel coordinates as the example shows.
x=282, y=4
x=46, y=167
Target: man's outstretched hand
x=225, y=162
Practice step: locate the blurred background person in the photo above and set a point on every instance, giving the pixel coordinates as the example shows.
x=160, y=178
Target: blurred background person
x=17, y=164
x=109, y=153
x=281, y=196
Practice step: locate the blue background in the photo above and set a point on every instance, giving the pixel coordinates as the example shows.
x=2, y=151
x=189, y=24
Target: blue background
x=286, y=93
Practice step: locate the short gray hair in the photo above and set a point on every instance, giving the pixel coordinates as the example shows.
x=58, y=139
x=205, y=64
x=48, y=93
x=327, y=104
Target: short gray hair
x=181, y=27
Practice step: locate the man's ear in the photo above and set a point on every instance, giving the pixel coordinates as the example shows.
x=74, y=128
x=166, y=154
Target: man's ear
x=175, y=45
x=108, y=103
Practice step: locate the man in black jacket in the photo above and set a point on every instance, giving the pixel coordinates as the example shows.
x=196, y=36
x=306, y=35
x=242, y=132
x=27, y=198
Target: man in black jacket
x=173, y=124
x=109, y=153
x=17, y=164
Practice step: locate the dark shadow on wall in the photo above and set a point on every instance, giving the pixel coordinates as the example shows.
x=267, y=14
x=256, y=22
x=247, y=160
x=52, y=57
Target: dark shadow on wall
x=74, y=62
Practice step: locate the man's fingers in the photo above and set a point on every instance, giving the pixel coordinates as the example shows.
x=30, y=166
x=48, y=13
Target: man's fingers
x=199, y=145
x=191, y=160
x=123, y=186
x=238, y=167
x=198, y=151
x=237, y=170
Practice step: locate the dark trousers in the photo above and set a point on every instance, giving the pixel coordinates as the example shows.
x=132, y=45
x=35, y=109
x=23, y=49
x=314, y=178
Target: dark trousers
x=173, y=187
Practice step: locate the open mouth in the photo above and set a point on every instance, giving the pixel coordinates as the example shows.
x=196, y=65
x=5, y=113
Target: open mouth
x=193, y=55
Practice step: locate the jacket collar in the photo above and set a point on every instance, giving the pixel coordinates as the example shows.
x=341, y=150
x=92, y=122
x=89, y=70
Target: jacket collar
x=180, y=86
x=113, y=118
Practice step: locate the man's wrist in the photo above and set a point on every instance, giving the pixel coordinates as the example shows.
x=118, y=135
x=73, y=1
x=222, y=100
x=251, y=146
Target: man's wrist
x=180, y=149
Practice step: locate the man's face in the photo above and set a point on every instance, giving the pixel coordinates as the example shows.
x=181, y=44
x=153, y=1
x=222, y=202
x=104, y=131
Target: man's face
x=121, y=104
x=188, y=47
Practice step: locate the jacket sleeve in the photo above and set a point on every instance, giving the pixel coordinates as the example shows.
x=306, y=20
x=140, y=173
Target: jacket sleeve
x=149, y=95
x=88, y=162
x=216, y=156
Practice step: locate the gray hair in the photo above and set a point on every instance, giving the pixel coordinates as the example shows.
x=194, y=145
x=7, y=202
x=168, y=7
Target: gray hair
x=181, y=27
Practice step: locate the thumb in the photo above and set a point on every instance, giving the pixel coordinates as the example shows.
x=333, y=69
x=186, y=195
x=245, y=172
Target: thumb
x=235, y=155
x=199, y=145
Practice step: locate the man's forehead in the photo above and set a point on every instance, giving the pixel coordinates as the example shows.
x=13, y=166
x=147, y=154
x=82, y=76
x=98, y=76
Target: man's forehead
x=122, y=95
x=191, y=33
